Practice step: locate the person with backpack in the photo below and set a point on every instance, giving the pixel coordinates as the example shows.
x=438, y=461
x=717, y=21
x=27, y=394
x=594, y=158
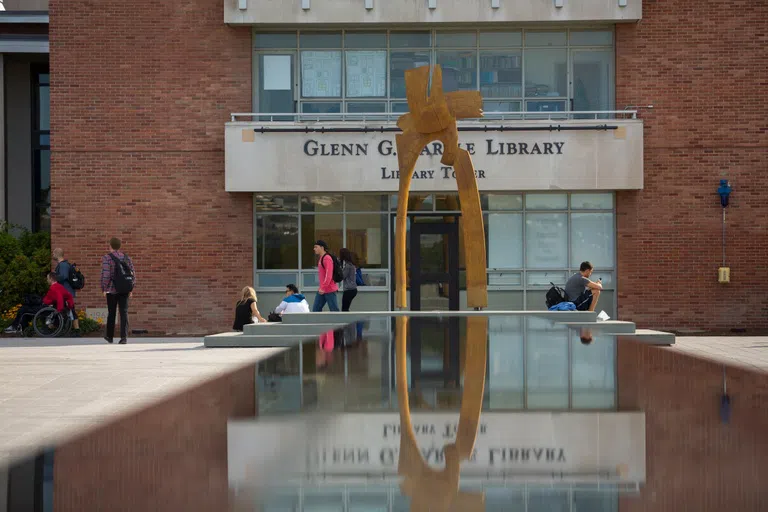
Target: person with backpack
x=118, y=278
x=581, y=290
x=68, y=275
x=329, y=275
x=349, y=271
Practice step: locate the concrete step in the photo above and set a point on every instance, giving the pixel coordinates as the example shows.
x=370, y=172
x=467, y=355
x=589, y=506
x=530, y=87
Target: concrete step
x=286, y=329
x=240, y=340
x=608, y=327
x=651, y=337
x=355, y=316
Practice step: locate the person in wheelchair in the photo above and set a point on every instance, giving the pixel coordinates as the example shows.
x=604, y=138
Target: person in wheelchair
x=57, y=297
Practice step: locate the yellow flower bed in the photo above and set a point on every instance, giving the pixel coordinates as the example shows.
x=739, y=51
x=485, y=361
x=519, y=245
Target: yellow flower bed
x=11, y=313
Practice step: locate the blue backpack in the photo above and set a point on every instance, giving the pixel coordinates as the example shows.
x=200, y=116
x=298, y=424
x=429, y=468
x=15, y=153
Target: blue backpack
x=359, y=277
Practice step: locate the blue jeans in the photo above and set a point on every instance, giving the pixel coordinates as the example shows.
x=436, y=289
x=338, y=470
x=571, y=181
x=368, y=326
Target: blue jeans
x=322, y=298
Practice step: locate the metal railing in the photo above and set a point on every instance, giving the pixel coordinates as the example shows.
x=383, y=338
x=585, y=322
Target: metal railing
x=293, y=117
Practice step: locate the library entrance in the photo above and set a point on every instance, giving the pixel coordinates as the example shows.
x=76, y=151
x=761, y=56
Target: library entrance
x=432, y=262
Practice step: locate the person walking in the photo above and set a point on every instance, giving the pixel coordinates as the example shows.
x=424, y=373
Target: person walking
x=349, y=270
x=326, y=293
x=62, y=271
x=118, y=277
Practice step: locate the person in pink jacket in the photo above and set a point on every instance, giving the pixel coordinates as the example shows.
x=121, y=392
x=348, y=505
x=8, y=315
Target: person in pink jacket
x=328, y=288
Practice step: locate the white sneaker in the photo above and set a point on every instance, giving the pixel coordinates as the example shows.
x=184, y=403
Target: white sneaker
x=10, y=330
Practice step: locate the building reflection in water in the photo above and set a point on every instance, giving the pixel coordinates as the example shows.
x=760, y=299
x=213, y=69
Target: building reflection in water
x=443, y=414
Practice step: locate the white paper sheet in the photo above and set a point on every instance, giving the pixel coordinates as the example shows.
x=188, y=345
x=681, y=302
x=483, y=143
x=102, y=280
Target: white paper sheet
x=277, y=72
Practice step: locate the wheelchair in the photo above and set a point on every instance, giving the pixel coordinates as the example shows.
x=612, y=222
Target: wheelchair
x=49, y=323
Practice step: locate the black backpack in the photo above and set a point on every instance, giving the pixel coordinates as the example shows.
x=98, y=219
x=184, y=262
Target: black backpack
x=123, y=277
x=338, y=274
x=555, y=295
x=75, y=277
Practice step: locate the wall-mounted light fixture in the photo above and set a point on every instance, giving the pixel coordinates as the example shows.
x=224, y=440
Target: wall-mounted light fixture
x=724, y=191
x=369, y=4
x=432, y=4
x=559, y=3
x=622, y=3
x=242, y=4
x=305, y=4
x=495, y=4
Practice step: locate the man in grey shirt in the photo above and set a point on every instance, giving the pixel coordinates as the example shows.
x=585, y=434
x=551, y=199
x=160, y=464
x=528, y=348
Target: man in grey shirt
x=582, y=291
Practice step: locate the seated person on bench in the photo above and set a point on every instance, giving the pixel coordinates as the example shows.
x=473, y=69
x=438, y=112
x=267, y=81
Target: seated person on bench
x=582, y=291
x=57, y=296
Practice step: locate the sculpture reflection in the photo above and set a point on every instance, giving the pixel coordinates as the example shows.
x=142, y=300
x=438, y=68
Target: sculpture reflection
x=429, y=488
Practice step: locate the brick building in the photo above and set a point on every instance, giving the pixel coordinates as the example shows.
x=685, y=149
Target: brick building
x=144, y=146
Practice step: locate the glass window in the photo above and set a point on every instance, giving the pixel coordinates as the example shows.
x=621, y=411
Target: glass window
x=459, y=70
x=320, y=40
x=410, y=40
x=399, y=108
x=366, y=203
x=502, y=201
x=546, y=240
x=545, y=107
x=367, y=107
x=489, y=107
x=546, y=365
x=593, y=371
x=505, y=240
x=551, y=500
x=321, y=74
x=276, y=83
x=501, y=74
x=544, y=38
x=545, y=278
x=320, y=227
x=365, y=40
x=591, y=37
x=456, y=40
x=276, y=280
x=447, y=202
x=368, y=239
x=500, y=39
x=545, y=72
x=366, y=73
x=592, y=239
x=274, y=40
x=277, y=242
x=546, y=201
x=398, y=63
x=44, y=110
x=275, y=203
x=592, y=201
x=321, y=107
x=416, y=202
x=321, y=203
x=505, y=363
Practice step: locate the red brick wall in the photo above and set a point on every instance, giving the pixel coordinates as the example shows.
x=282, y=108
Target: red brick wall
x=701, y=64
x=140, y=92
x=694, y=462
x=172, y=456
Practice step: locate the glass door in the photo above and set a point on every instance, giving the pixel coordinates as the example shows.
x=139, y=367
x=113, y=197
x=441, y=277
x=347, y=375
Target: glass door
x=276, y=76
x=592, y=81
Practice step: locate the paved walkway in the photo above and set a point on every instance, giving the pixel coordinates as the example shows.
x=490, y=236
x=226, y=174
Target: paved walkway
x=749, y=352
x=51, y=390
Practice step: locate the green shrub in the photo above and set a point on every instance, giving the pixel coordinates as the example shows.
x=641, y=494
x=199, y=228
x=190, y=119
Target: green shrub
x=25, y=259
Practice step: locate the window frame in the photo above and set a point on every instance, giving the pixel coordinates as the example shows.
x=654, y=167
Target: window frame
x=390, y=100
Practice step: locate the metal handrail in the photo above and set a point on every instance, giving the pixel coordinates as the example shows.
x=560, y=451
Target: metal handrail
x=293, y=117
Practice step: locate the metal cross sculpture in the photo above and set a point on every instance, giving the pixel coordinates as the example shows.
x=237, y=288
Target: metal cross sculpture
x=434, y=118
